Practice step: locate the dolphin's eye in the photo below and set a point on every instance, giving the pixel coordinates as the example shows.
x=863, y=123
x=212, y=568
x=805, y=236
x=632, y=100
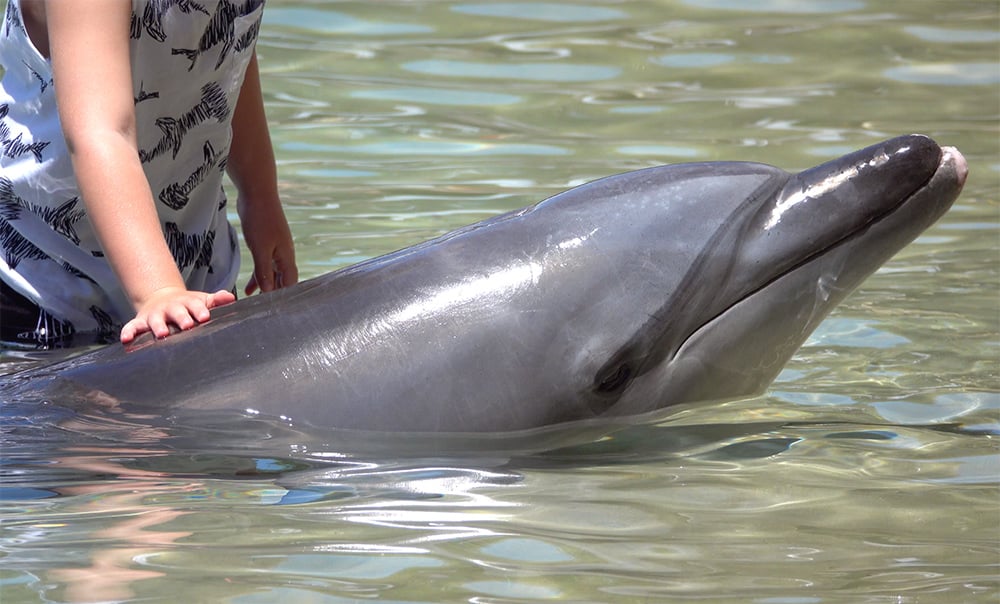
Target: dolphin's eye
x=616, y=379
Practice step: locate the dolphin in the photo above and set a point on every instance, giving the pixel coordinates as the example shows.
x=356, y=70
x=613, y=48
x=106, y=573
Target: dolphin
x=613, y=300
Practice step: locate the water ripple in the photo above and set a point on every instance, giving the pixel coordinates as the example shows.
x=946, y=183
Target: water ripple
x=542, y=11
x=947, y=74
x=541, y=72
x=793, y=7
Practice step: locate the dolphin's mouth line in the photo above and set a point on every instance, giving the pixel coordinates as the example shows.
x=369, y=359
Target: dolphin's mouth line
x=853, y=234
x=629, y=365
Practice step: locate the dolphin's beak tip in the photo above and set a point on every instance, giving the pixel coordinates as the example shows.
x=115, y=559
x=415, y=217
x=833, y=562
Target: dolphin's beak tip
x=934, y=156
x=954, y=157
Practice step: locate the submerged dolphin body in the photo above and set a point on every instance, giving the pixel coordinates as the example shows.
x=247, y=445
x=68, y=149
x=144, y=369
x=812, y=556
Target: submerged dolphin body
x=617, y=298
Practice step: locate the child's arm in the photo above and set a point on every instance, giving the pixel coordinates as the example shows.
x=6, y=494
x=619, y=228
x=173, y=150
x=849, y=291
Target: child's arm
x=89, y=46
x=251, y=168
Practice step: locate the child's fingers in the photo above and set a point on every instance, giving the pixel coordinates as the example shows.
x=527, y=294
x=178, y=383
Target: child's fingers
x=274, y=268
x=184, y=312
x=129, y=331
x=251, y=285
x=219, y=298
x=133, y=329
x=158, y=325
x=287, y=269
x=266, y=277
x=187, y=316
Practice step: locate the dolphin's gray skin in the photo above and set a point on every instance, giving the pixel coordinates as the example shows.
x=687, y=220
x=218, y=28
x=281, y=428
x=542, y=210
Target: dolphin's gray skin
x=626, y=295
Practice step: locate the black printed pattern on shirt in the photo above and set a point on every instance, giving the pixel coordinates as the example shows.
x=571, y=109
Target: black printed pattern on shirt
x=152, y=17
x=15, y=147
x=144, y=96
x=248, y=38
x=13, y=18
x=175, y=196
x=222, y=30
x=190, y=249
x=61, y=219
x=44, y=83
x=213, y=105
x=15, y=247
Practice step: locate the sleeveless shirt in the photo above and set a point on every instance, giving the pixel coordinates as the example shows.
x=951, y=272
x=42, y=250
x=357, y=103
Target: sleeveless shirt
x=188, y=60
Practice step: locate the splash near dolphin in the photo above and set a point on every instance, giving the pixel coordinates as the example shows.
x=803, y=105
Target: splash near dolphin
x=615, y=299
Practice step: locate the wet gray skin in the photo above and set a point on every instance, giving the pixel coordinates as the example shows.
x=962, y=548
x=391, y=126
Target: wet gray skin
x=617, y=298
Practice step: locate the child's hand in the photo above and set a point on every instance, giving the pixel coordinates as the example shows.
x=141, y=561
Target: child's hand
x=280, y=272
x=173, y=306
x=273, y=258
x=269, y=239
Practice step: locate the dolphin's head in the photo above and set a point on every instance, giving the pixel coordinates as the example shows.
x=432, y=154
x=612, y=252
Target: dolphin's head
x=770, y=268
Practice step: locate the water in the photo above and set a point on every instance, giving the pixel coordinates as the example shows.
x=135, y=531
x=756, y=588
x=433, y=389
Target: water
x=868, y=473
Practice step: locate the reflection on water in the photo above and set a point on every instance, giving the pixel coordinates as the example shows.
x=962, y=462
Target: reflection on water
x=754, y=508
x=867, y=474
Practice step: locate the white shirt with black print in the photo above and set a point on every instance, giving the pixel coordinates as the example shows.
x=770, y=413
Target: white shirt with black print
x=188, y=61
